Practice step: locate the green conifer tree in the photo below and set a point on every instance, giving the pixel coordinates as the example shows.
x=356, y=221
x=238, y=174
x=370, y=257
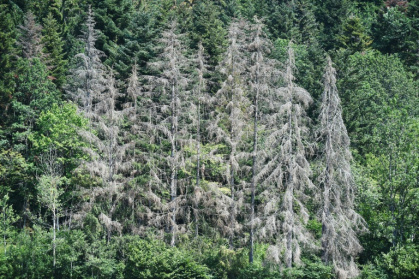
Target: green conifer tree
x=7, y=40
x=53, y=45
x=354, y=37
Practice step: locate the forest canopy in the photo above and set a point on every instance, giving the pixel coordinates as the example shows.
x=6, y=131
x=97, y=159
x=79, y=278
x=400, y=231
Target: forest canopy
x=209, y=139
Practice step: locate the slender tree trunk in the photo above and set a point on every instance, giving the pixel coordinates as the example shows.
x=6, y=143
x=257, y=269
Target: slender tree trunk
x=253, y=186
x=198, y=161
x=4, y=233
x=232, y=213
x=54, y=236
x=289, y=197
x=173, y=168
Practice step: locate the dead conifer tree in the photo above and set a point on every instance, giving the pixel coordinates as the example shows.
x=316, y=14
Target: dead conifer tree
x=109, y=165
x=30, y=37
x=200, y=97
x=168, y=114
x=86, y=81
x=261, y=70
x=287, y=172
x=230, y=122
x=340, y=222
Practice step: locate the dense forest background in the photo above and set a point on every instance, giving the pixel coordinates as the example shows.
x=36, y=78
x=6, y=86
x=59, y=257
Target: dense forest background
x=209, y=139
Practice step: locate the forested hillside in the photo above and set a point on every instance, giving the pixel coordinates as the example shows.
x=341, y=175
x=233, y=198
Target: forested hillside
x=209, y=139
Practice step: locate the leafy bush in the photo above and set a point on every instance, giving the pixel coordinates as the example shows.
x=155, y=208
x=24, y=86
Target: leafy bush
x=150, y=259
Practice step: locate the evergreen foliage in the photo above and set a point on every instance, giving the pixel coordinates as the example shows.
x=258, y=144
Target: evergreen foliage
x=209, y=139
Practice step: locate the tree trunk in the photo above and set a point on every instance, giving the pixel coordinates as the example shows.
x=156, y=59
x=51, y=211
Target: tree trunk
x=253, y=186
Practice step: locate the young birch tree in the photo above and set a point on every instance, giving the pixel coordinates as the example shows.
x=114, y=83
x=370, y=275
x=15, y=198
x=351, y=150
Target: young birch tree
x=230, y=121
x=49, y=190
x=340, y=222
x=287, y=172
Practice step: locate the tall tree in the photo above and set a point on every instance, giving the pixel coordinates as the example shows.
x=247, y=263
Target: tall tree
x=201, y=97
x=30, y=37
x=170, y=90
x=49, y=191
x=53, y=46
x=230, y=121
x=288, y=171
x=7, y=41
x=261, y=69
x=340, y=222
x=86, y=80
x=109, y=165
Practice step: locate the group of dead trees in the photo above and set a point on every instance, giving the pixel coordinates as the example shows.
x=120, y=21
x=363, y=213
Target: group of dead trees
x=171, y=158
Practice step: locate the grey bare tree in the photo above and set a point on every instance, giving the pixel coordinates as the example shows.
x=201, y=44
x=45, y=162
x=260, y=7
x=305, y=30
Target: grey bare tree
x=261, y=71
x=230, y=122
x=110, y=164
x=287, y=172
x=168, y=112
x=340, y=222
x=30, y=37
x=86, y=81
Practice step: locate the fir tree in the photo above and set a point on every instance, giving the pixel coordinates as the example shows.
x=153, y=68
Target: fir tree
x=86, y=80
x=288, y=172
x=7, y=40
x=53, y=46
x=30, y=37
x=340, y=222
x=261, y=70
x=170, y=90
x=230, y=122
x=354, y=37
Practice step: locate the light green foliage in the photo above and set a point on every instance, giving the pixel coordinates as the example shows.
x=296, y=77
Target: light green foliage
x=152, y=259
x=312, y=268
x=41, y=147
x=59, y=128
x=49, y=191
x=30, y=254
x=7, y=219
x=402, y=262
x=354, y=37
x=33, y=94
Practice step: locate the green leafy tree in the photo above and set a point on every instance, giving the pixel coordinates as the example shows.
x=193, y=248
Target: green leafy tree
x=331, y=15
x=152, y=259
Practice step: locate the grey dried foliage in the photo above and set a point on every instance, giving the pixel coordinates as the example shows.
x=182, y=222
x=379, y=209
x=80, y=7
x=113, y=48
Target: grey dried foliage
x=30, y=37
x=198, y=102
x=286, y=175
x=87, y=80
x=166, y=121
x=261, y=73
x=109, y=161
x=340, y=222
x=230, y=121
